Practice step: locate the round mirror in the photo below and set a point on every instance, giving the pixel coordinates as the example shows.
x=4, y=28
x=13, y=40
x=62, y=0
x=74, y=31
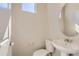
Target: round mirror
x=70, y=16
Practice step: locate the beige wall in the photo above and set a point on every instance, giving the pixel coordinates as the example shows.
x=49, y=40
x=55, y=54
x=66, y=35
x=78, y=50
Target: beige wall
x=29, y=30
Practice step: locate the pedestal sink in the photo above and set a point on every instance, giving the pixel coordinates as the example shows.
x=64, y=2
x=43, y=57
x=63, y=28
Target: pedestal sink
x=68, y=46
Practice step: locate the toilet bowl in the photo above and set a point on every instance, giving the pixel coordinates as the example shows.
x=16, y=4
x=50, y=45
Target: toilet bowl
x=42, y=52
x=45, y=52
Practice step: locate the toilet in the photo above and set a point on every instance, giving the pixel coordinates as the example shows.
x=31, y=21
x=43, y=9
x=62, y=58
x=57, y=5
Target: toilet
x=42, y=52
x=45, y=52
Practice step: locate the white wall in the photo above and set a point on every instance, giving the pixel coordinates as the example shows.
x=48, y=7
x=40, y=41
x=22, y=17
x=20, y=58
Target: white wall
x=29, y=30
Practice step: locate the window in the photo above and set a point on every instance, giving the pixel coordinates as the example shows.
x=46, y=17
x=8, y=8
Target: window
x=28, y=7
x=4, y=5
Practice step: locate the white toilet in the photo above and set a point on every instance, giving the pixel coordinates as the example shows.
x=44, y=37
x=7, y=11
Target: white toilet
x=42, y=52
x=45, y=52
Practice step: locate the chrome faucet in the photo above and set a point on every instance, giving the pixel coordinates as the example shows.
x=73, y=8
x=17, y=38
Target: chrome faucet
x=68, y=40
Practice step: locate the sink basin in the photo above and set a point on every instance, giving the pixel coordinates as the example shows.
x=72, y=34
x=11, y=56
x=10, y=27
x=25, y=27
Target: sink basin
x=67, y=47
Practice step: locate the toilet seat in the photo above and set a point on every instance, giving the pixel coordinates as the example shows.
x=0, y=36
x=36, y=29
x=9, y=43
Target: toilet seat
x=42, y=52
